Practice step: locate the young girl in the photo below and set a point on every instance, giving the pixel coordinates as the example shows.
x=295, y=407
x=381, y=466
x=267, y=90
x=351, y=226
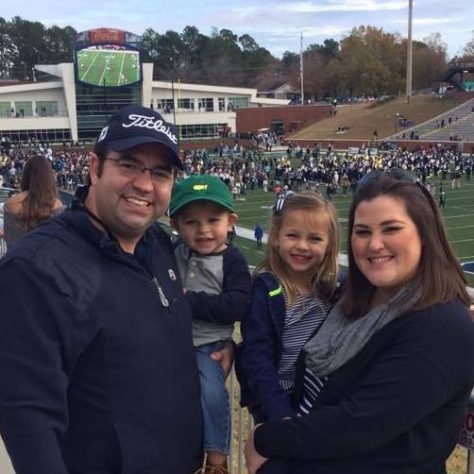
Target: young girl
x=292, y=291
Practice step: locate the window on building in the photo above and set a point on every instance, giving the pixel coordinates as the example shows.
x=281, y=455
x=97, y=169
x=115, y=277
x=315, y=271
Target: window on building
x=237, y=102
x=5, y=108
x=206, y=104
x=46, y=108
x=23, y=108
x=166, y=105
x=186, y=104
x=221, y=104
x=209, y=130
x=26, y=136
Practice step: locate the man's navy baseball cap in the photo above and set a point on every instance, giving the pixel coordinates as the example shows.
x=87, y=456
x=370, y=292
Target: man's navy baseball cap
x=135, y=125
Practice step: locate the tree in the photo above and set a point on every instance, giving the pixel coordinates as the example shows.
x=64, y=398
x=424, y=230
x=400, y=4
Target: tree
x=29, y=38
x=58, y=44
x=429, y=61
x=248, y=44
x=290, y=65
x=150, y=45
x=194, y=44
x=222, y=59
x=9, y=54
x=468, y=52
x=370, y=62
x=327, y=51
x=173, y=52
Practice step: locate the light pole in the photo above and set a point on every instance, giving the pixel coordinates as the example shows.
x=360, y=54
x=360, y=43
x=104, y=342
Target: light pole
x=301, y=70
x=409, y=51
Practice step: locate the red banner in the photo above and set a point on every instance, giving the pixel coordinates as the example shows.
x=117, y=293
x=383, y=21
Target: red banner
x=106, y=35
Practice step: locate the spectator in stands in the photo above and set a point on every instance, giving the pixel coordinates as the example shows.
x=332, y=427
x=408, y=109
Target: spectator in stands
x=442, y=198
x=385, y=381
x=36, y=202
x=258, y=233
x=455, y=178
x=2, y=241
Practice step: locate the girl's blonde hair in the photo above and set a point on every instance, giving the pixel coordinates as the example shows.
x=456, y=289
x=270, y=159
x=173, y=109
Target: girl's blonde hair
x=324, y=276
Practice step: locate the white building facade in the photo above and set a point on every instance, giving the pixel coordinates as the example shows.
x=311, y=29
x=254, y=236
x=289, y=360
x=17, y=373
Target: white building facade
x=61, y=109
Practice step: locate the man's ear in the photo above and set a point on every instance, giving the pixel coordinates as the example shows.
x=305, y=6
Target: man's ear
x=94, y=168
x=232, y=220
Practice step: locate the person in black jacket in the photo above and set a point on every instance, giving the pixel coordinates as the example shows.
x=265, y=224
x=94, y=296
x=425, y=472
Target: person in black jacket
x=98, y=368
x=385, y=381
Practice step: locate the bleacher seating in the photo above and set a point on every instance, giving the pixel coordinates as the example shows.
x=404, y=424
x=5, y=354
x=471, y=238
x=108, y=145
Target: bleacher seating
x=462, y=125
x=462, y=129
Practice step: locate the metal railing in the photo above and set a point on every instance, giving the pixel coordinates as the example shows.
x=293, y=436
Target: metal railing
x=242, y=423
x=466, y=438
x=3, y=247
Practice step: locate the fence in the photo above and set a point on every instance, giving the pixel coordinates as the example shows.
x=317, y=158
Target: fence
x=242, y=423
x=3, y=247
x=466, y=437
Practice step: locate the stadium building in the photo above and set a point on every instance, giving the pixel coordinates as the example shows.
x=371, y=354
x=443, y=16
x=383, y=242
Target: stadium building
x=71, y=101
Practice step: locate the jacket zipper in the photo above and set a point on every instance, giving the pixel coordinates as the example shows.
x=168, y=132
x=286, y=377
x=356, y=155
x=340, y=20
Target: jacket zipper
x=164, y=301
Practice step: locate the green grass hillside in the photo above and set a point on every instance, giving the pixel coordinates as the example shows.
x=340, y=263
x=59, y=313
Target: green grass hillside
x=361, y=119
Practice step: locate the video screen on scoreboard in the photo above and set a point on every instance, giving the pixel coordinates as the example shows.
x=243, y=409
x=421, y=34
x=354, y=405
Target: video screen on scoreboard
x=108, y=66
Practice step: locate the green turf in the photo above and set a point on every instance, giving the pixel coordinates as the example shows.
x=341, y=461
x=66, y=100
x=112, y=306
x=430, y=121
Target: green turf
x=109, y=68
x=458, y=214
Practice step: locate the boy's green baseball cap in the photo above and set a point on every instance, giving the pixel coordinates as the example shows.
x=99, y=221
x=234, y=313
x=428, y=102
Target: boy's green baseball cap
x=200, y=188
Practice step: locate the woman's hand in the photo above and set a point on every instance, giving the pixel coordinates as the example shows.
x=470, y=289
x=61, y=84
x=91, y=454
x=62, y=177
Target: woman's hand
x=253, y=459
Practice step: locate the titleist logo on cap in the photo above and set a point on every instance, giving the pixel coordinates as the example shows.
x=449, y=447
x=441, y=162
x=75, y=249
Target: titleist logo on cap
x=150, y=122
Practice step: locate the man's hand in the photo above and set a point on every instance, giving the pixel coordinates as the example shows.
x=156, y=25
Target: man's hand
x=225, y=357
x=253, y=459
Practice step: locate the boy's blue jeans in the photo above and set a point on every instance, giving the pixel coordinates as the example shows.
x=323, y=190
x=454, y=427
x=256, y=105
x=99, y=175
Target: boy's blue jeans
x=214, y=400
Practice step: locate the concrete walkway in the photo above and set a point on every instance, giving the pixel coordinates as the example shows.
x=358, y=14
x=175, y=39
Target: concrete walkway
x=5, y=464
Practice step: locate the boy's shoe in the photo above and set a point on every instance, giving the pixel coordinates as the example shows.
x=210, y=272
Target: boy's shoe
x=213, y=469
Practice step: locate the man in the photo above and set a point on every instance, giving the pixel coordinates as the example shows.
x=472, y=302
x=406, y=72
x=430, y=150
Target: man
x=97, y=362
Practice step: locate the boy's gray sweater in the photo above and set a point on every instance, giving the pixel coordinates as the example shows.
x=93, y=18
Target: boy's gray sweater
x=218, y=290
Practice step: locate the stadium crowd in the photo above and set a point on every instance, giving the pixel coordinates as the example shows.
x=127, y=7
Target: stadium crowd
x=70, y=165
x=244, y=169
x=298, y=167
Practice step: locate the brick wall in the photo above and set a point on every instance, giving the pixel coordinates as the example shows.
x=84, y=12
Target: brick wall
x=468, y=147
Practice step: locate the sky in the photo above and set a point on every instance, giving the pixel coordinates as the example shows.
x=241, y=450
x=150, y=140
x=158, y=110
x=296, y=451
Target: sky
x=276, y=25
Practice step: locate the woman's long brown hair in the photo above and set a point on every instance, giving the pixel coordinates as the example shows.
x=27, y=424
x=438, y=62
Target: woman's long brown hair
x=38, y=181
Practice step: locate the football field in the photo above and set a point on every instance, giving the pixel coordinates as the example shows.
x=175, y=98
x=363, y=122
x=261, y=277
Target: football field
x=108, y=67
x=458, y=213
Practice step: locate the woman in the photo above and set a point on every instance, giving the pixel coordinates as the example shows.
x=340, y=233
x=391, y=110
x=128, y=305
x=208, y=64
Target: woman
x=37, y=201
x=388, y=375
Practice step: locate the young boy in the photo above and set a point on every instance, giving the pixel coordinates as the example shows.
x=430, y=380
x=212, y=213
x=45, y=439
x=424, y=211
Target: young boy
x=217, y=284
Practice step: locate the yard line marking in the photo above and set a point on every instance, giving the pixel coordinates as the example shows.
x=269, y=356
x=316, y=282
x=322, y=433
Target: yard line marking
x=459, y=216
x=121, y=69
x=460, y=241
x=90, y=66
x=104, y=71
x=460, y=227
